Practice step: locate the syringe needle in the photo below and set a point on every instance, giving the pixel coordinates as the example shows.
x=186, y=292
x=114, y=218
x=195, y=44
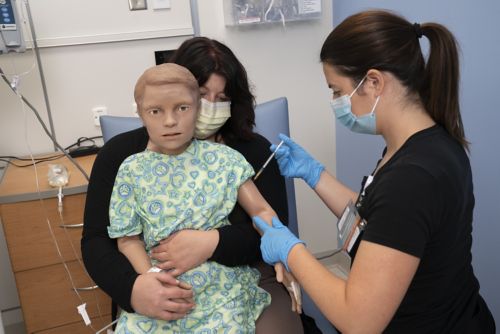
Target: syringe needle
x=267, y=161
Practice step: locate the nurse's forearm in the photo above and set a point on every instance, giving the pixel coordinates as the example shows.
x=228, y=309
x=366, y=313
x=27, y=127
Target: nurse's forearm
x=327, y=291
x=333, y=193
x=367, y=301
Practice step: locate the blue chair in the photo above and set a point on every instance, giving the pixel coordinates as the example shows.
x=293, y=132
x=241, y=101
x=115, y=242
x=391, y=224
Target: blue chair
x=113, y=125
x=271, y=119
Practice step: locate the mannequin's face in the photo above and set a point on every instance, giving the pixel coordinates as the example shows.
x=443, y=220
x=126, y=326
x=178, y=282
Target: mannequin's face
x=169, y=114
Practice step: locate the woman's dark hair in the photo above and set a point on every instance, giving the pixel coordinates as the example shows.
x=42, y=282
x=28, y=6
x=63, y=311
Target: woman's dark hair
x=204, y=57
x=387, y=42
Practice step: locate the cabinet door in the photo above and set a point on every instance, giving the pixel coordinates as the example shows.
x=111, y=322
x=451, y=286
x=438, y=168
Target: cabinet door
x=79, y=327
x=29, y=240
x=48, y=299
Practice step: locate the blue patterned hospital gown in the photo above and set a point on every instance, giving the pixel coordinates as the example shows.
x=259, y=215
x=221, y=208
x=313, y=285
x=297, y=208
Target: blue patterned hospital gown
x=156, y=195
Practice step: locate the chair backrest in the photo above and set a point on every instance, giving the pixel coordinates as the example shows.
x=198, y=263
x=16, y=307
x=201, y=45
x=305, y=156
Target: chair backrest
x=271, y=118
x=113, y=125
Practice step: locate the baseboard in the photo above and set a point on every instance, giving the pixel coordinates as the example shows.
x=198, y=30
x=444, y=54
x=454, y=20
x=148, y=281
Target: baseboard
x=12, y=317
x=17, y=328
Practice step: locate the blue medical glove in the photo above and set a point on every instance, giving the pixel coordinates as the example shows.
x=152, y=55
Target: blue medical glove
x=276, y=241
x=294, y=161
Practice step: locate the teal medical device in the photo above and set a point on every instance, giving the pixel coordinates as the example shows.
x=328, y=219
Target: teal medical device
x=11, y=37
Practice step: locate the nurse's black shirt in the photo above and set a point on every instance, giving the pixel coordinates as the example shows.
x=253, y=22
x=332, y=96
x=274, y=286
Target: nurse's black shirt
x=421, y=203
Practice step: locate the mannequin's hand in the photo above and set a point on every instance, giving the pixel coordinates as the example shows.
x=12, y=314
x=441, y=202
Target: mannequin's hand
x=276, y=241
x=185, y=250
x=294, y=161
x=291, y=285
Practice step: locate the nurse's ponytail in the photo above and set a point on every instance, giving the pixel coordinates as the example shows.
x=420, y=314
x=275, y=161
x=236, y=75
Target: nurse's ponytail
x=439, y=91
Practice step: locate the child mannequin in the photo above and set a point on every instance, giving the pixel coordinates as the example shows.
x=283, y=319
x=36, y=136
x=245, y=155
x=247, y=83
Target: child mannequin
x=183, y=183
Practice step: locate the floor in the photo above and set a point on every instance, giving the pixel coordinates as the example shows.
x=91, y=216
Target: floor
x=15, y=329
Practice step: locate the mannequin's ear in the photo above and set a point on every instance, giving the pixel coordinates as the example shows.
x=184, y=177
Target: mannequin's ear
x=375, y=82
x=138, y=111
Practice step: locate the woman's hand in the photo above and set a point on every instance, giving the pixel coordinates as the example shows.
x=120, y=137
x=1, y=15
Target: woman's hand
x=161, y=296
x=294, y=161
x=291, y=285
x=185, y=250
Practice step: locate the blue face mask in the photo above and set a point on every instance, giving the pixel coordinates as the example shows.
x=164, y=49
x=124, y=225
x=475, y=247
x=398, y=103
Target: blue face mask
x=341, y=106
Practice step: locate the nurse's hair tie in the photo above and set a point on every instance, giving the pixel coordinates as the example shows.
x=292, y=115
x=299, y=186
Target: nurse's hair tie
x=418, y=30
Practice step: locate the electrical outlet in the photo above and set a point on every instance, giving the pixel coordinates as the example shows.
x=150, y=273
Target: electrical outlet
x=137, y=4
x=98, y=112
x=161, y=4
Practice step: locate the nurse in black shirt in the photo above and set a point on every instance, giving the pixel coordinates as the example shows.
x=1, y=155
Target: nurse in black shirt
x=411, y=270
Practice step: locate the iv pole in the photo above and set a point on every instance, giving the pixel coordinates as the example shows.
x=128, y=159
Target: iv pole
x=42, y=77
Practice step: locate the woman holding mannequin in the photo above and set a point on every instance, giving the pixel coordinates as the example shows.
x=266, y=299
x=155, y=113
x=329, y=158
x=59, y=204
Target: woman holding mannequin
x=225, y=91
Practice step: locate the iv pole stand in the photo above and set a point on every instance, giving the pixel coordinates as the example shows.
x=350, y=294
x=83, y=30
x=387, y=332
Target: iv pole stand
x=42, y=77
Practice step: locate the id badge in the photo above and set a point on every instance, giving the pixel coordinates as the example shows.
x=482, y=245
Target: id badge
x=349, y=227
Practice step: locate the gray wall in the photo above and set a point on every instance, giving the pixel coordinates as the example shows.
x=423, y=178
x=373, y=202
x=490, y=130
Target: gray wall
x=476, y=27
